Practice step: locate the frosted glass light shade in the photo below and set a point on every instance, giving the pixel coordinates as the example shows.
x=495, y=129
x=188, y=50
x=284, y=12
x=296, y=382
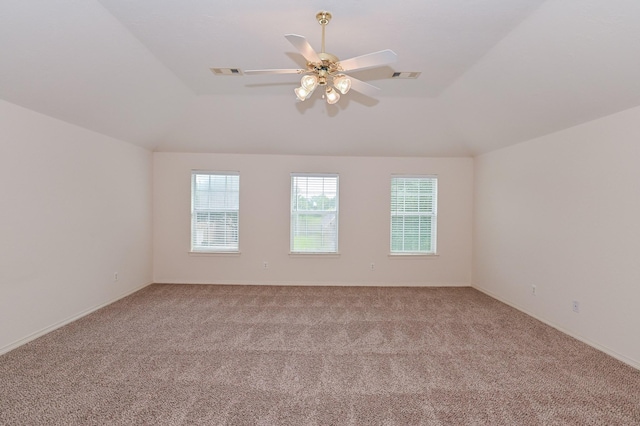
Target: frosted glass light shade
x=302, y=93
x=342, y=83
x=332, y=96
x=309, y=82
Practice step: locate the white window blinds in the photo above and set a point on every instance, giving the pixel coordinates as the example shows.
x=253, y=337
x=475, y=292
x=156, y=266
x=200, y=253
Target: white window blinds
x=314, y=213
x=413, y=214
x=215, y=203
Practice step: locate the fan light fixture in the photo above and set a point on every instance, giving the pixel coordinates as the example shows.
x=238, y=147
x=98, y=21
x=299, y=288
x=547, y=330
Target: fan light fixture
x=342, y=83
x=319, y=72
x=332, y=96
x=302, y=93
x=326, y=70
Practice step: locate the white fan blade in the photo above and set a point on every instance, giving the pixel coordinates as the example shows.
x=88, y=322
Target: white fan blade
x=303, y=47
x=261, y=72
x=370, y=60
x=362, y=87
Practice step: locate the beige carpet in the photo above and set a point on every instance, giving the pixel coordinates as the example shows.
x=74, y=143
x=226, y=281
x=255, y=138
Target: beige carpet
x=184, y=354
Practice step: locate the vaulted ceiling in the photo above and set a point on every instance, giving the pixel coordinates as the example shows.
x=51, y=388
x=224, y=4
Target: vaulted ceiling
x=494, y=72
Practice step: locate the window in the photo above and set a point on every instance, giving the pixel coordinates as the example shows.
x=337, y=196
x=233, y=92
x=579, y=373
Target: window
x=215, y=200
x=413, y=214
x=314, y=213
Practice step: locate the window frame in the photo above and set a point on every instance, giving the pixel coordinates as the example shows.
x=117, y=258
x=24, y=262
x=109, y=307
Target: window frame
x=213, y=249
x=292, y=213
x=433, y=215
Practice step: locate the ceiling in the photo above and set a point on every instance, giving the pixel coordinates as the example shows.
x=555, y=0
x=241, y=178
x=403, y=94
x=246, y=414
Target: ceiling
x=494, y=72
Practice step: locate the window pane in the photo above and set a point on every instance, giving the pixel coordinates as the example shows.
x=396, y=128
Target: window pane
x=413, y=214
x=215, y=210
x=314, y=213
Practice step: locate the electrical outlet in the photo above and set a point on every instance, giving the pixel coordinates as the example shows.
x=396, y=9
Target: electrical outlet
x=115, y=276
x=575, y=306
x=372, y=266
x=534, y=290
x=265, y=265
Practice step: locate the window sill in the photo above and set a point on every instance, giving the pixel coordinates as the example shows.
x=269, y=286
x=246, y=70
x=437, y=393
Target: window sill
x=320, y=254
x=413, y=255
x=213, y=253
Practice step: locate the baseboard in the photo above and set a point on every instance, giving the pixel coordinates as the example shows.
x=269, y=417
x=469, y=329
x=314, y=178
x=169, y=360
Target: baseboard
x=631, y=362
x=49, y=329
x=313, y=283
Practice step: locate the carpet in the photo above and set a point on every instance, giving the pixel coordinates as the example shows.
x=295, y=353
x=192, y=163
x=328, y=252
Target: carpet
x=279, y=355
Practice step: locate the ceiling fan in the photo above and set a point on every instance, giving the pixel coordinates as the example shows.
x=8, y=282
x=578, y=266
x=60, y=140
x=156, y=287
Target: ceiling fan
x=326, y=70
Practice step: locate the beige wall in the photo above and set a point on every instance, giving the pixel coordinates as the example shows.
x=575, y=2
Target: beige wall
x=264, y=222
x=562, y=212
x=76, y=208
x=559, y=212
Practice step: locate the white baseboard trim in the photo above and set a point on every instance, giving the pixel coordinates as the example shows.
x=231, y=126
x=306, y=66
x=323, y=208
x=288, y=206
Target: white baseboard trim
x=49, y=329
x=629, y=361
x=314, y=283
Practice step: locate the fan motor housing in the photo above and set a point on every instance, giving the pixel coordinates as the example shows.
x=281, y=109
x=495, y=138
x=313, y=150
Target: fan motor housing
x=323, y=17
x=328, y=57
